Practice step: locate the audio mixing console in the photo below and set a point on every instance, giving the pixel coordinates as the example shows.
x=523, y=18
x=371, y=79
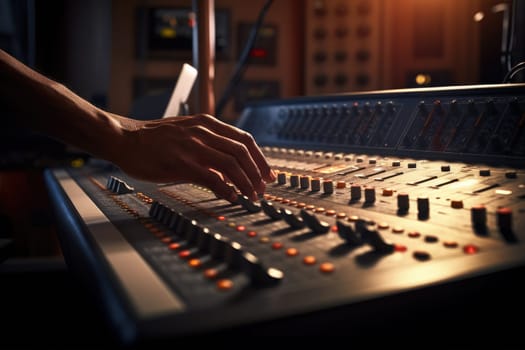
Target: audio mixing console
x=385, y=202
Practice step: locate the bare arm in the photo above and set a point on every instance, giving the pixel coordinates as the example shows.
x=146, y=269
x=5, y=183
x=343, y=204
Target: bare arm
x=197, y=148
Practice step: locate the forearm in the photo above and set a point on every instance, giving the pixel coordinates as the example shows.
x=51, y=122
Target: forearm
x=43, y=105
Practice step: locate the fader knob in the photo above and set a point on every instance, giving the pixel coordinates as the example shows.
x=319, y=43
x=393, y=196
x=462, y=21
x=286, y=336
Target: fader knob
x=328, y=186
x=355, y=192
x=293, y=220
x=233, y=254
x=313, y=222
x=423, y=207
x=304, y=182
x=478, y=214
x=259, y=274
x=370, y=194
x=370, y=235
x=270, y=210
x=316, y=184
x=247, y=204
x=218, y=245
x=281, y=178
x=403, y=203
x=204, y=238
x=348, y=233
x=294, y=180
x=504, y=219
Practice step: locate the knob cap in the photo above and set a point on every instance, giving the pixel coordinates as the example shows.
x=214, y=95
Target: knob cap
x=247, y=204
x=259, y=274
x=314, y=223
x=270, y=210
x=293, y=220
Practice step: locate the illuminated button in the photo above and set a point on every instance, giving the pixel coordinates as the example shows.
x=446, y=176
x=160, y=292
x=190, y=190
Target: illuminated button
x=241, y=228
x=327, y=267
x=383, y=225
x=400, y=248
x=277, y=245
x=251, y=234
x=224, y=284
x=310, y=207
x=319, y=210
x=330, y=212
x=421, y=255
x=341, y=215
x=301, y=205
x=414, y=234
x=292, y=252
x=166, y=240
x=293, y=203
x=309, y=260
x=264, y=239
x=195, y=263
x=210, y=273
x=388, y=192
x=398, y=229
x=450, y=244
x=174, y=246
x=184, y=254
x=470, y=249
x=456, y=203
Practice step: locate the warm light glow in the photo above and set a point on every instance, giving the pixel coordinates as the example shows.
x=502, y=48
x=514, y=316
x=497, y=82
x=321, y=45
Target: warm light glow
x=423, y=79
x=478, y=16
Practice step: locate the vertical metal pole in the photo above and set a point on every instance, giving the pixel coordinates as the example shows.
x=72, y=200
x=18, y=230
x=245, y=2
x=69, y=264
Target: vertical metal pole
x=204, y=54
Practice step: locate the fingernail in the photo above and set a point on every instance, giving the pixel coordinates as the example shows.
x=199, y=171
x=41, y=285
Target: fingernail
x=273, y=176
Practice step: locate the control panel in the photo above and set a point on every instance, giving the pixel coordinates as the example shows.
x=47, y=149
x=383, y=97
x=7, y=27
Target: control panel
x=383, y=202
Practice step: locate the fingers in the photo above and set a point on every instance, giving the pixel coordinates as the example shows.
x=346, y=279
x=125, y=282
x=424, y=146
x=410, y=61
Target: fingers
x=240, y=161
x=238, y=135
x=208, y=151
x=230, y=164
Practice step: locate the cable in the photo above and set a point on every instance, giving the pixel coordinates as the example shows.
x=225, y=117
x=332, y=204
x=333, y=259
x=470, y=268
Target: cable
x=241, y=64
x=518, y=67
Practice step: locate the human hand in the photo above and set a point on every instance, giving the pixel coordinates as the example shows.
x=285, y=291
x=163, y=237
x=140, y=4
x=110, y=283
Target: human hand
x=199, y=149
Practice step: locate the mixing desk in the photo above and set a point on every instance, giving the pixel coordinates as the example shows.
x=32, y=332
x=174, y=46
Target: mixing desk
x=388, y=205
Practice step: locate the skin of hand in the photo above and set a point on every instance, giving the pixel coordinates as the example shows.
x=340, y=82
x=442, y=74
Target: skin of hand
x=195, y=148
